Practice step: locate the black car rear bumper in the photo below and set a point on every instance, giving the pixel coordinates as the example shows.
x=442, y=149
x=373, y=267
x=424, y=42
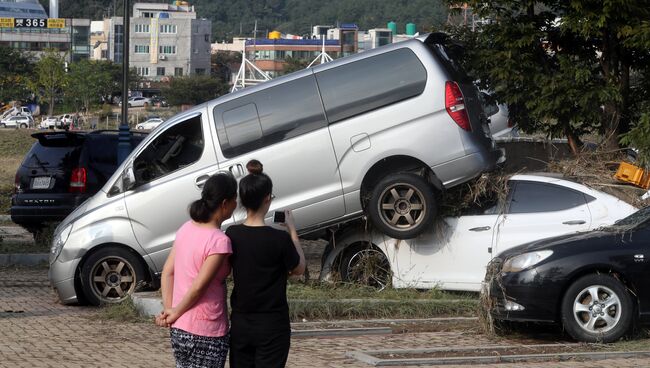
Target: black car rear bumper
x=31, y=210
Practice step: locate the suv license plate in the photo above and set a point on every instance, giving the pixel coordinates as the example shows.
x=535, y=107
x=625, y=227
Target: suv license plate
x=42, y=182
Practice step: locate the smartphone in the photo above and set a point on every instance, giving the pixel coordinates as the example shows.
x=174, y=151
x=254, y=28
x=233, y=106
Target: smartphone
x=279, y=217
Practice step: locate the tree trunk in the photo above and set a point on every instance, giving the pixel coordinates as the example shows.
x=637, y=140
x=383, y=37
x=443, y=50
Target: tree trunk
x=50, y=109
x=573, y=140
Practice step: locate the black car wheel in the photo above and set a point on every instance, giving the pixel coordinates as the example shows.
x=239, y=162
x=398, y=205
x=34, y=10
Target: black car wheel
x=23, y=126
x=402, y=206
x=364, y=264
x=597, y=308
x=3, y=126
x=110, y=275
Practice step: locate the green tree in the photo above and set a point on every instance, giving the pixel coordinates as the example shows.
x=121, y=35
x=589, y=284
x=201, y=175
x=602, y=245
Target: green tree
x=294, y=64
x=49, y=78
x=193, y=90
x=88, y=81
x=15, y=69
x=563, y=66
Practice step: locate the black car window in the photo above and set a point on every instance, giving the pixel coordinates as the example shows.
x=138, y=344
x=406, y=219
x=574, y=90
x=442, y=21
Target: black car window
x=371, y=83
x=269, y=116
x=55, y=153
x=179, y=146
x=533, y=197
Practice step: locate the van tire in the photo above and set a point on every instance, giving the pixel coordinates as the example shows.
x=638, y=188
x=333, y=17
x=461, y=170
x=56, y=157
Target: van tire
x=99, y=274
x=402, y=205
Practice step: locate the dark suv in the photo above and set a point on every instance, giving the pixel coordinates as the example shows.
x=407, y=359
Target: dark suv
x=60, y=172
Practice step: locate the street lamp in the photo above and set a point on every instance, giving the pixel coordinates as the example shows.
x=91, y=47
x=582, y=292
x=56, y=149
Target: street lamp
x=124, y=136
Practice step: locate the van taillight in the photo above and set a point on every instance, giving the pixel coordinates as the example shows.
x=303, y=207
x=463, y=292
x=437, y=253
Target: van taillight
x=78, y=180
x=16, y=184
x=455, y=105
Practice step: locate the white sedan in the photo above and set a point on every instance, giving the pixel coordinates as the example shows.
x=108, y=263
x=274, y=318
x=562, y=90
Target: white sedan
x=137, y=102
x=50, y=122
x=150, y=124
x=454, y=256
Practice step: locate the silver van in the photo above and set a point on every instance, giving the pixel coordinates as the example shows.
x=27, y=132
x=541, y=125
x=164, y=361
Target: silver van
x=380, y=133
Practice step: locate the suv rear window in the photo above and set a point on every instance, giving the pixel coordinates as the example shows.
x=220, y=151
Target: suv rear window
x=53, y=152
x=371, y=83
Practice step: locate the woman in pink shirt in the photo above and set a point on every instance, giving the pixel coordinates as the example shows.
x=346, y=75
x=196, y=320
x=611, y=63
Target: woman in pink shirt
x=193, y=279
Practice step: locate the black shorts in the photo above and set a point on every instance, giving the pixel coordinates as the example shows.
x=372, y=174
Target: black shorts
x=255, y=344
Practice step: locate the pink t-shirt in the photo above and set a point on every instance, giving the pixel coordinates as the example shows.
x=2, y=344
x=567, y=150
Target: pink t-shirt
x=209, y=316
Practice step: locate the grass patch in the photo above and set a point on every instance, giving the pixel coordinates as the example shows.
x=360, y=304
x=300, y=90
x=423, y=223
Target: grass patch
x=326, y=291
x=122, y=312
x=10, y=247
x=14, y=145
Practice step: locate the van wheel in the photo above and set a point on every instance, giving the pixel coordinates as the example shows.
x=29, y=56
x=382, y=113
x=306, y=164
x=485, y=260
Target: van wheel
x=597, y=308
x=364, y=264
x=402, y=206
x=110, y=275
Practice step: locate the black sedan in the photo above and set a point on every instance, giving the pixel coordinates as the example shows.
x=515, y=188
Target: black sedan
x=596, y=284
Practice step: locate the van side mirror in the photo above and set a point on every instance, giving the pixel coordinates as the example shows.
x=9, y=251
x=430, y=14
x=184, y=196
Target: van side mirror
x=128, y=178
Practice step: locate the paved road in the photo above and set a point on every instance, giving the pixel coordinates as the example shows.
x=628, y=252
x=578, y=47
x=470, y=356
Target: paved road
x=37, y=332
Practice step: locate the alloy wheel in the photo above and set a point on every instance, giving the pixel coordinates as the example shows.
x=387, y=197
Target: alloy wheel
x=597, y=309
x=112, y=279
x=402, y=206
x=369, y=267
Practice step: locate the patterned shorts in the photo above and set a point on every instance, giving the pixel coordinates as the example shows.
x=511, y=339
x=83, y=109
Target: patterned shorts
x=194, y=351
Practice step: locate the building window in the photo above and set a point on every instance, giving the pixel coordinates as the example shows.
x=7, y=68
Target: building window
x=147, y=15
x=141, y=28
x=104, y=54
x=160, y=71
x=178, y=72
x=168, y=28
x=141, y=49
x=199, y=71
x=143, y=71
x=207, y=38
x=196, y=51
x=167, y=49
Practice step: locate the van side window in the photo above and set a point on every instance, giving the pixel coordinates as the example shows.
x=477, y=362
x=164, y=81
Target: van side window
x=371, y=83
x=269, y=116
x=179, y=146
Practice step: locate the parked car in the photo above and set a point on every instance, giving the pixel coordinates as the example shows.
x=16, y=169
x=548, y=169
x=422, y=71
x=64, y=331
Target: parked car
x=51, y=122
x=18, y=121
x=382, y=132
x=595, y=284
x=65, y=120
x=137, y=102
x=536, y=207
x=61, y=171
x=150, y=124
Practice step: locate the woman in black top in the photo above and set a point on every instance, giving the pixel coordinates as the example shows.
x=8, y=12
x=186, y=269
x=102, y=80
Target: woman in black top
x=262, y=259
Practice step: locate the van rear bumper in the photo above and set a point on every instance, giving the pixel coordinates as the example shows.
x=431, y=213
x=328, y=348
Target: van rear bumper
x=468, y=167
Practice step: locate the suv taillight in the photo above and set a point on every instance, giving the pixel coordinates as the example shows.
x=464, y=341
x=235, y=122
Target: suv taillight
x=455, y=105
x=16, y=184
x=78, y=180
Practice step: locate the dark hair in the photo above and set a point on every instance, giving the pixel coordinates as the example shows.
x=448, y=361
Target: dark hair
x=254, y=167
x=255, y=186
x=217, y=188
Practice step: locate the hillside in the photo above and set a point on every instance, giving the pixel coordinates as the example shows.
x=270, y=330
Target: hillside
x=291, y=16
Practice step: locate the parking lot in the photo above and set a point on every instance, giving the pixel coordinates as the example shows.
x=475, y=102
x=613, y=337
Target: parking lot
x=38, y=332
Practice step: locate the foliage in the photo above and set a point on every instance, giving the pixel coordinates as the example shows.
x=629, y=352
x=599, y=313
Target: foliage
x=639, y=138
x=49, y=78
x=221, y=64
x=294, y=64
x=563, y=67
x=88, y=80
x=15, y=68
x=291, y=16
x=193, y=90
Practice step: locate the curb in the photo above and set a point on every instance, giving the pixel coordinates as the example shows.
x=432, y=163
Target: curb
x=342, y=332
x=148, y=304
x=24, y=259
x=5, y=218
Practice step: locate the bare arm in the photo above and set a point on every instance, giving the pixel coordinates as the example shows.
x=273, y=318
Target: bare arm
x=291, y=228
x=199, y=285
x=167, y=280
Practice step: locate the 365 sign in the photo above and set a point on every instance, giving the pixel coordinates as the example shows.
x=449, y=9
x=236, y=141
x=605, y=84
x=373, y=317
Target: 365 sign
x=32, y=23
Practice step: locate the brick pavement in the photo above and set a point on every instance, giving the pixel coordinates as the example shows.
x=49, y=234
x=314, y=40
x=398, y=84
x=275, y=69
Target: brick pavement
x=41, y=333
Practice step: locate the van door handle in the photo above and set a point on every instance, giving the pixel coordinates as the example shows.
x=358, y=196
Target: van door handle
x=200, y=181
x=575, y=222
x=237, y=170
x=482, y=228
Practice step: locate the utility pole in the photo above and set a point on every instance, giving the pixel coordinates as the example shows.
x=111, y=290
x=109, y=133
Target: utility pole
x=124, y=137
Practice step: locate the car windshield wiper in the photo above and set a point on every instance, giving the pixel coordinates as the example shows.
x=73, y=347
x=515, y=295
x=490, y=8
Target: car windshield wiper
x=39, y=162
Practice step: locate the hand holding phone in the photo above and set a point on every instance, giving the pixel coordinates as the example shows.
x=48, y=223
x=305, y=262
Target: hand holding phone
x=279, y=217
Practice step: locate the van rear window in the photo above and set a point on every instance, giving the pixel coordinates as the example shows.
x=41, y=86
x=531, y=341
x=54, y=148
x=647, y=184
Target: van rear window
x=371, y=83
x=61, y=156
